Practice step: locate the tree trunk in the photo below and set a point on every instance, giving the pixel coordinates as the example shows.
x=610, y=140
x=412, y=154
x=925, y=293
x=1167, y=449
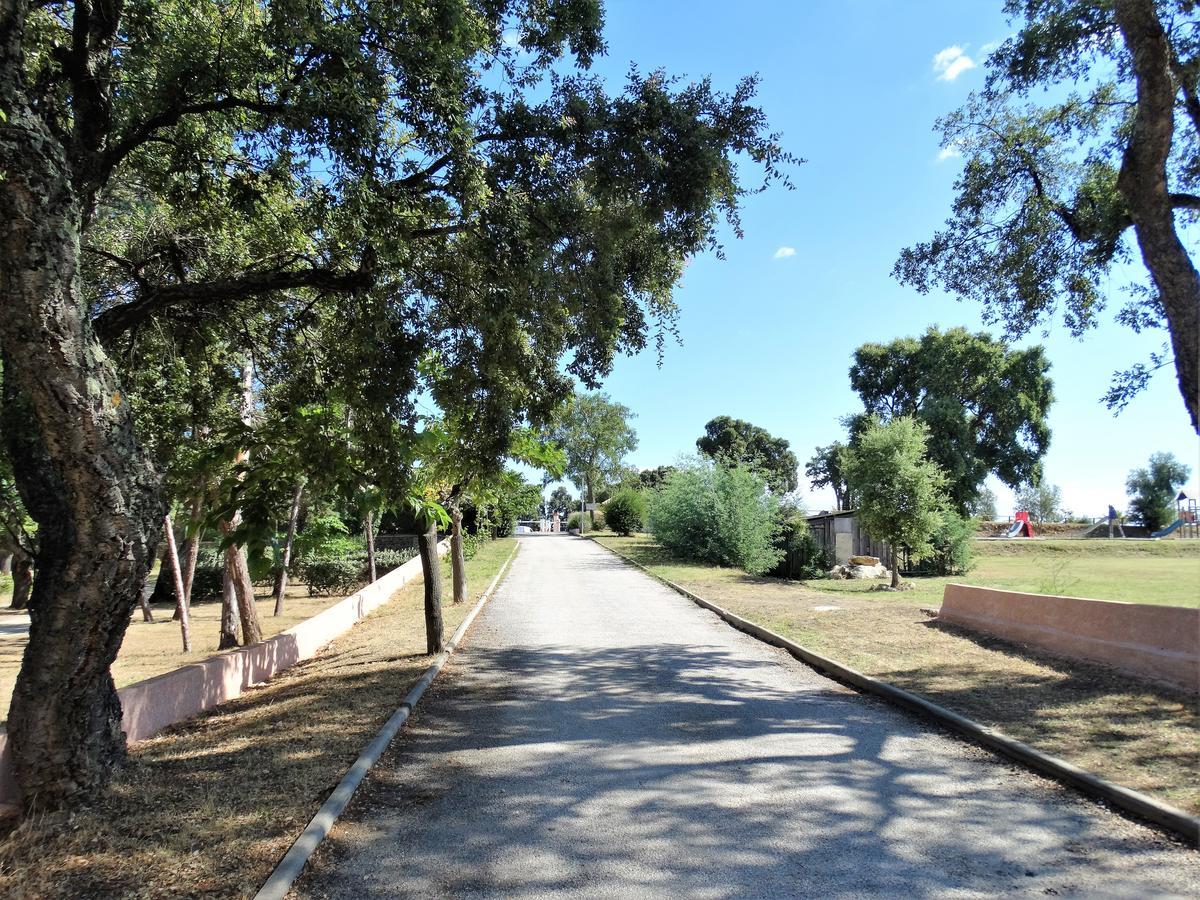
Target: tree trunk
x=229, y=617
x=281, y=577
x=22, y=573
x=191, y=553
x=431, y=567
x=1143, y=183
x=80, y=471
x=458, y=561
x=182, y=606
x=369, y=527
x=238, y=572
x=591, y=510
x=6, y=563
x=147, y=612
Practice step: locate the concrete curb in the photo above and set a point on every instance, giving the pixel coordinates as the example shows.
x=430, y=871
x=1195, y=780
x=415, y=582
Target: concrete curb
x=289, y=868
x=1130, y=801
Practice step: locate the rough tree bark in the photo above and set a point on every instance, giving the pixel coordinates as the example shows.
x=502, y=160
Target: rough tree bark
x=22, y=573
x=1143, y=183
x=229, y=617
x=281, y=577
x=369, y=528
x=237, y=571
x=458, y=561
x=431, y=567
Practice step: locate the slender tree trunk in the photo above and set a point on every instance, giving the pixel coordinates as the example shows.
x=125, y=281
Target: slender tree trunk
x=147, y=611
x=6, y=563
x=238, y=572
x=185, y=631
x=80, y=471
x=191, y=552
x=281, y=577
x=22, y=573
x=369, y=527
x=229, y=616
x=458, y=561
x=1144, y=185
x=894, y=547
x=591, y=502
x=431, y=567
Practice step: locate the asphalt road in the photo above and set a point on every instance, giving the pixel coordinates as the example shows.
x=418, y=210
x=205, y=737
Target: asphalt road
x=600, y=736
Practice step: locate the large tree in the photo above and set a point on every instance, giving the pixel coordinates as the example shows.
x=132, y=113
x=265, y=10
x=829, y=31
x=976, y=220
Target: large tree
x=395, y=169
x=1152, y=490
x=824, y=469
x=595, y=434
x=738, y=442
x=899, y=489
x=1059, y=190
x=984, y=403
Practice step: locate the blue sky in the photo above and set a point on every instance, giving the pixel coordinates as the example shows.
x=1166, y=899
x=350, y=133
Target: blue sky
x=855, y=88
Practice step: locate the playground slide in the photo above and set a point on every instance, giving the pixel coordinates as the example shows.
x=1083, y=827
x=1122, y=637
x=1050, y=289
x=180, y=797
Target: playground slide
x=1015, y=530
x=1168, y=530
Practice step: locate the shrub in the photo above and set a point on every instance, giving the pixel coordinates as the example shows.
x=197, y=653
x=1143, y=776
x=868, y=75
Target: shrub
x=573, y=520
x=952, y=548
x=386, y=561
x=594, y=522
x=472, y=543
x=330, y=577
x=804, y=557
x=325, y=536
x=626, y=512
x=717, y=513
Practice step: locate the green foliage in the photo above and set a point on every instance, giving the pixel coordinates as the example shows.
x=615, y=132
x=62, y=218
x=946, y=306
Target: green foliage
x=626, y=512
x=472, y=543
x=899, y=489
x=652, y=479
x=575, y=521
x=386, y=561
x=984, y=403
x=824, y=469
x=803, y=556
x=737, y=442
x=330, y=577
x=325, y=536
x=1152, y=490
x=1040, y=218
x=983, y=507
x=561, y=501
x=953, y=544
x=712, y=512
x=594, y=433
x=1042, y=501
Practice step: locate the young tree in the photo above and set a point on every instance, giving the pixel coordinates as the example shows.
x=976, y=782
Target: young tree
x=737, y=442
x=1055, y=192
x=561, y=502
x=825, y=469
x=372, y=174
x=984, y=403
x=900, y=490
x=984, y=505
x=595, y=435
x=1152, y=490
x=1042, y=501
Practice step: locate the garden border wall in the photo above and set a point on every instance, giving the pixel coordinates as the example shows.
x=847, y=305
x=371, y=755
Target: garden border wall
x=1150, y=641
x=151, y=705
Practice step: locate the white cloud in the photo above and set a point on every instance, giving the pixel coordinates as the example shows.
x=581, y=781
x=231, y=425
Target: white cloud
x=785, y=252
x=950, y=152
x=948, y=64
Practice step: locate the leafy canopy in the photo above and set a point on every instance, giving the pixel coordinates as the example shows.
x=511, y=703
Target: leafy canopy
x=1152, y=490
x=595, y=435
x=984, y=404
x=738, y=442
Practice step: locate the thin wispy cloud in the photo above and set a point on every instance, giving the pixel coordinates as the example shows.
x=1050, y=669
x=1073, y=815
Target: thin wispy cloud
x=950, y=152
x=785, y=252
x=951, y=62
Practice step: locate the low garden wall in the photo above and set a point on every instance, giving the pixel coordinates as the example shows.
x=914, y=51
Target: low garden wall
x=1157, y=642
x=151, y=705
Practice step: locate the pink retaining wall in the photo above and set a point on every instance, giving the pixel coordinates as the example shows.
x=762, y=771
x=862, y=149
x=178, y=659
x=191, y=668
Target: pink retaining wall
x=1156, y=642
x=151, y=705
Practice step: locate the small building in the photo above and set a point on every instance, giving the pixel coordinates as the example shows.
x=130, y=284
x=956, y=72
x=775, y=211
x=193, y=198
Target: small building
x=841, y=535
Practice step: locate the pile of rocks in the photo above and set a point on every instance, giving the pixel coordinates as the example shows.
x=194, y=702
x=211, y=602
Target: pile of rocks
x=860, y=567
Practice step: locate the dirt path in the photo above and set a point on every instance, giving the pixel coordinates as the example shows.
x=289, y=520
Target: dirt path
x=601, y=736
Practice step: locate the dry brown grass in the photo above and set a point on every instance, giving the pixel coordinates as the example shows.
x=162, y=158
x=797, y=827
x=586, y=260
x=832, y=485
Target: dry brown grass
x=207, y=808
x=1135, y=733
x=151, y=648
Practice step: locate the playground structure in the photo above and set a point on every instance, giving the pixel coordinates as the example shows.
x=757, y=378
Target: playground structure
x=1020, y=526
x=1185, y=519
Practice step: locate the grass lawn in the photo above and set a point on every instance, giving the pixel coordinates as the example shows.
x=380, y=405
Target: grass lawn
x=207, y=808
x=1134, y=733
x=151, y=648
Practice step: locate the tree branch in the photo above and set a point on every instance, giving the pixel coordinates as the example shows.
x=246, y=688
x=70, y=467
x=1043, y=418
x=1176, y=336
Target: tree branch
x=152, y=301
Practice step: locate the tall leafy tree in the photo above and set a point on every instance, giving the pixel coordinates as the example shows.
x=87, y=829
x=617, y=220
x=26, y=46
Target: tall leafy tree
x=1152, y=490
x=1082, y=150
x=738, y=442
x=984, y=403
x=825, y=469
x=1042, y=501
x=899, y=489
x=395, y=166
x=595, y=434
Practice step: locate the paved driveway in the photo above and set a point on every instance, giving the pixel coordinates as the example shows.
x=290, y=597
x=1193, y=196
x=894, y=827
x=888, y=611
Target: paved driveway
x=600, y=736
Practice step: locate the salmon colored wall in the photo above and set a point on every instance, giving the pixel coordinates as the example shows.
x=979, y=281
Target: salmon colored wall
x=1156, y=642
